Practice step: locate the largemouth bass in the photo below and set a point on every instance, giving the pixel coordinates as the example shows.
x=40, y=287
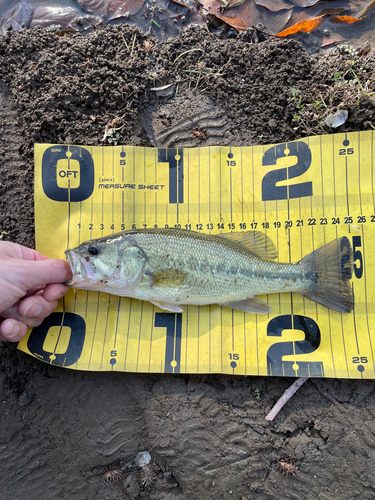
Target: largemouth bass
x=172, y=267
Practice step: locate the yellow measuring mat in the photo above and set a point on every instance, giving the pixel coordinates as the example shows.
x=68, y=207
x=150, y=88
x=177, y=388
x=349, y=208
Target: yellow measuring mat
x=302, y=195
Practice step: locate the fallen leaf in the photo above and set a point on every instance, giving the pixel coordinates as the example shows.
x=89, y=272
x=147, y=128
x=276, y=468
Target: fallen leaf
x=63, y=16
x=276, y=21
x=345, y=19
x=274, y=5
x=364, y=48
x=98, y=7
x=329, y=40
x=231, y=3
x=122, y=8
x=181, y=4
x=18, y=16
x=236, y=23
x=302, y=27
x=304, y=3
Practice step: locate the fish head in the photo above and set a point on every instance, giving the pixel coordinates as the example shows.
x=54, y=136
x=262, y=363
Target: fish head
x=108, y=265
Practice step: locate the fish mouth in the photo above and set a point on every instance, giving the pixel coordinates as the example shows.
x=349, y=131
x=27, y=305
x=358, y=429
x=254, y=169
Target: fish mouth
x=81, y=270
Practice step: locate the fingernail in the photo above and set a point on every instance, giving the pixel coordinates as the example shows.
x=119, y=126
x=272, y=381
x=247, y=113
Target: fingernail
x=34, y=309
x=13, y=331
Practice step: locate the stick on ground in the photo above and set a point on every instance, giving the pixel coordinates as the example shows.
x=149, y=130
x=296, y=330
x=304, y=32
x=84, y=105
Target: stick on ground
x=285, y=397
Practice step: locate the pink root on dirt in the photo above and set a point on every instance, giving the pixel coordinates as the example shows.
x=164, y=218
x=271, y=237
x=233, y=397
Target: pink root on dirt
x=285, y=397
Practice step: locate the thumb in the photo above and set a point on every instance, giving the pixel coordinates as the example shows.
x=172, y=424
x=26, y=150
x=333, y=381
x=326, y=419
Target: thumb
x=40, y=273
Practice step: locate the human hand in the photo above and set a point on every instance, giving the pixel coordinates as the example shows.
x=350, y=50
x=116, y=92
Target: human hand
x=27, y=274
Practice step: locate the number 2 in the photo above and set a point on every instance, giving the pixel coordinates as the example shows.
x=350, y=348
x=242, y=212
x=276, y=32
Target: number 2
x=270, y=191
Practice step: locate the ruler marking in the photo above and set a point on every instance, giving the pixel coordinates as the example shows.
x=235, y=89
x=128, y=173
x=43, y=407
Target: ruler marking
x=127, y=336
x=252, y=173
x=209, y=188
x=187, y=334
x=145, y=182
x=209, y=339
x=199, y=310
x=118, y=316
x=134, y=211
x=242, y=198
x=156, y=197
x=139, y=336
x=359, y=173
x=257, y=343
x=221, y=337
x=331, y=344
x=188, y=185
x=244, y=340
x=105, y=332
x=347, y=186
x=94, y=332
x=151, y=335
x=231, y=200
x=199, y=185
x=372, y=171
x=365, y=282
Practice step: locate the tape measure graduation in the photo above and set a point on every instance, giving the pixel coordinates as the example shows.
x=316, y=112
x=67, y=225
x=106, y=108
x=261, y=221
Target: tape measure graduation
x=302, y=194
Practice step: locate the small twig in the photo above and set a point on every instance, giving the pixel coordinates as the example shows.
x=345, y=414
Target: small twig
x=330, y=398
x=131, y=53
x=156, y=24
x=285, y=397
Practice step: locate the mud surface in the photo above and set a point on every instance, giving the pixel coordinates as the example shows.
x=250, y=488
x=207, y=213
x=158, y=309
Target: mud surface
x=61, y=430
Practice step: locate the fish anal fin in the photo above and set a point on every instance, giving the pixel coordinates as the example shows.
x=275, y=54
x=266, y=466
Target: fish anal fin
x=169, y=278
x=252, y=305
x=167, y=306
x=255, y=242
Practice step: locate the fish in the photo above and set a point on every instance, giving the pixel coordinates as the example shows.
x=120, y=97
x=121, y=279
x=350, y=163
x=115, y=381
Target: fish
x=174, y=267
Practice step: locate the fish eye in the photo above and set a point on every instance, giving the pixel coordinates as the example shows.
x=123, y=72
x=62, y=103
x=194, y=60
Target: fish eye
x=93, y=250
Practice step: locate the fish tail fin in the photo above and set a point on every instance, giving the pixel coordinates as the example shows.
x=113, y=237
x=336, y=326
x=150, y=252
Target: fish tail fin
x=330, y=270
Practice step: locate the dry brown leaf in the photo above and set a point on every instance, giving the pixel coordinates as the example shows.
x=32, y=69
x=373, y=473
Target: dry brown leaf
x=345, y=19
x=236, y=23
x=329, y=40
x=302, y=27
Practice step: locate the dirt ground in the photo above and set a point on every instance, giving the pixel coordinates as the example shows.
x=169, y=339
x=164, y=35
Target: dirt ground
x=61, y=430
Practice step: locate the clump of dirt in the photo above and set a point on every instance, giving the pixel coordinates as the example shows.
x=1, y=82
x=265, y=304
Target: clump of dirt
x=206, y=434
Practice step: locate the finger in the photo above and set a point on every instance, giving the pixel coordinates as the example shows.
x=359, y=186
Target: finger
x=12, y=330
x=54, y=291
x=34, y=319
x=32, y=274
x=35, y=307
x=20, y=252
x=35, y=290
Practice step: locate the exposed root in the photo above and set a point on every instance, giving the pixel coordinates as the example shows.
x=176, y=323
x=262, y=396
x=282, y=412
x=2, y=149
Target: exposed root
x=285, y=397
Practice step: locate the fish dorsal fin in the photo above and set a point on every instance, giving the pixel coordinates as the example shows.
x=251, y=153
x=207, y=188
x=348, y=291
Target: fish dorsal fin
x=168, y=278
x=255, y=242
x=252, y=305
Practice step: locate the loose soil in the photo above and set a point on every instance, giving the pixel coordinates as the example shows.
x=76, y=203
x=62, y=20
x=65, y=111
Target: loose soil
x=61, y=430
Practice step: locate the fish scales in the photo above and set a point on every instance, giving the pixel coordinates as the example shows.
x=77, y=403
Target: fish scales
x=171, y=268
x=215, y=269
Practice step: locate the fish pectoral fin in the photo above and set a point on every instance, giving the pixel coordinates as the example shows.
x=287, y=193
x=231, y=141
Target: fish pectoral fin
x=169, y=278
x=255, y=242
x=253, y=305
x=167, y=306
